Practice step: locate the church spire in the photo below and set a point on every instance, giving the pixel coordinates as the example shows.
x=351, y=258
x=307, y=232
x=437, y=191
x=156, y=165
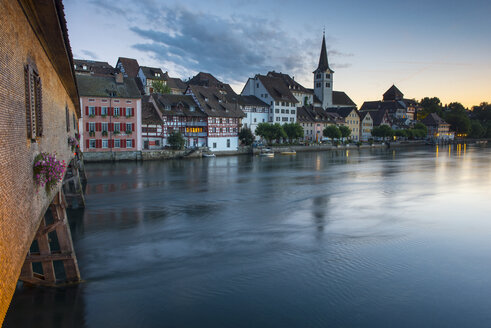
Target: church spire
x=323, y=63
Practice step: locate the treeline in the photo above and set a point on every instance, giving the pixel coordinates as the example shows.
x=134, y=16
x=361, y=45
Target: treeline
x=475, y=123
x=270, y=132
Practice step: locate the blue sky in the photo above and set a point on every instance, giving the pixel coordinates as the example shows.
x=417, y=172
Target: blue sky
x=426, y=48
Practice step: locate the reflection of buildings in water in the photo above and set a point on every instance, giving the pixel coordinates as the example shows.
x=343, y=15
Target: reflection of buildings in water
x=319, y=213
x=62, y=307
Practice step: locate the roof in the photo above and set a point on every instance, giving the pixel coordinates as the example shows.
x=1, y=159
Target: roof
x=130, y=66
x=363, y=114
x=251, y=101
x=153, y=73
x=290, y=82
x=391, y=106
x=323, y=62
x=176, y=83
x=177, y=105
x=214, y=102
x=106, y=86
x=277, y=88
x=149, y=112
x=208, y=80
x=47, y=19
x=93, y=67
x=393, y=94
x=139, y=85
x=316, y=114
x=339, y=98
x=377, y=115
x=432, y=120
x=342, y=111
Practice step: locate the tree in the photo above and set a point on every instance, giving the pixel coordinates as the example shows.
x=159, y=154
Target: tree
x=332, y=132
x=382, y=131
x=457, y=117
x=161, y=87
x=430, y=105
x=421, y=126
x=278, y=132
x=401, y=133
x=476, y=130
x=246, y=136
x=270, y=131
x=293, y=131
x=345, y=131
x=176, y=140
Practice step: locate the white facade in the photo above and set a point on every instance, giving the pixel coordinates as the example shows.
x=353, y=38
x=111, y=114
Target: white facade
x=223, y=143
x=254, y=116
x=279, y=111
x=323, y=87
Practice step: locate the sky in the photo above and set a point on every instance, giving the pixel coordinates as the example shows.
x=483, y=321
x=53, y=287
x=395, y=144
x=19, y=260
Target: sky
x=427, y=48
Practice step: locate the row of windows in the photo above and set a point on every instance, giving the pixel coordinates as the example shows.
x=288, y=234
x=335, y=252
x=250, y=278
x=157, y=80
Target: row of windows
x=105, y=127
x=104, y=143
x=224, y=120
x=114, y=100
x=112, y=111
x=221, y=130
x=228, y=144
x=319, y=84
x=283, y=103
x=284, y=119
x=284, y=111
x=319, y=75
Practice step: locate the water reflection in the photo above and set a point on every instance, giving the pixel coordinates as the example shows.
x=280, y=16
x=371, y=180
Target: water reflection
x=289, y=241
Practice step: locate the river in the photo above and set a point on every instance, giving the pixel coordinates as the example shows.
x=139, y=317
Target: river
x=371, y=238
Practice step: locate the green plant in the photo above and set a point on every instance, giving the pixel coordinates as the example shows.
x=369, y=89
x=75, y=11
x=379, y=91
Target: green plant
x=47, y=171
x=116, y=132
x=128, y=132
x=104, y=133
x=91, y=115
x=91, y=133
x=176, y=140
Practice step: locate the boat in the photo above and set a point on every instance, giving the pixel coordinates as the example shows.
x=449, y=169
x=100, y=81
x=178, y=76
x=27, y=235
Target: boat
x=267, y=154
x=208, y=155
x=292, y=152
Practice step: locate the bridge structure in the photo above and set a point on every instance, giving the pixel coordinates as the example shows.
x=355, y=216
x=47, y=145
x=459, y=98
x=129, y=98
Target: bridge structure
x=39, y=112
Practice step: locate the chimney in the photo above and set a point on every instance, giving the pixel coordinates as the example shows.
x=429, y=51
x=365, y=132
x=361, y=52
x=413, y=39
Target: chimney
x=119, y=77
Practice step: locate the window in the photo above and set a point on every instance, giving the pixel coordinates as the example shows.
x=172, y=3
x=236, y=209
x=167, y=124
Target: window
x=228, y=143
x=318, y=76
x=91, y=127
x=129, y=143
x=116, y=111
x=117, y=127
x=214, y=130
x=277, y=103
x=92, y=143
x=284, y=119
x=128, y=127
x=263, y=120
x=287, y=111
x=74, y=122
x=277, y=110
x=328, y=76
x=128, y=101
x=157, y=142
x=104, y=100
x=214, y=145
x=91, y=111
x=104, y=110
x=255, y=120
x=117, y=143
x=277, y=119
x=104, y=143
x=292, y=119
x=129, y=111
x=105, y=127
x=257, y=86
x=318, y=85
x=328, y=85
x=67, y=114
x=282, y=111
x=91, y=99
x=293, y=111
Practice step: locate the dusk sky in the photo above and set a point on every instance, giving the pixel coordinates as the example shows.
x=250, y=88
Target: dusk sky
x=426, y=48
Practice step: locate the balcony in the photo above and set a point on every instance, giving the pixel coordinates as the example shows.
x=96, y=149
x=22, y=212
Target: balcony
x=195, y=134
x=196, y=123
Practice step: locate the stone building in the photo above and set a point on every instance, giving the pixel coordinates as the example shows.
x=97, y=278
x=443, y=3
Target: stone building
x=38, y=112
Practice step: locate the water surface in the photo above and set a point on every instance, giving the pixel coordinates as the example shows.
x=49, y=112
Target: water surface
x=377, y=238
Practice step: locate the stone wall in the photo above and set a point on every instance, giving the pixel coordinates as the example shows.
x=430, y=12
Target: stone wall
x=21, y=207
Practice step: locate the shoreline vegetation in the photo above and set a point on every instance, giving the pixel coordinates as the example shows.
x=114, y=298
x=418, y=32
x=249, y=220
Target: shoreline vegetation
x=167, y=154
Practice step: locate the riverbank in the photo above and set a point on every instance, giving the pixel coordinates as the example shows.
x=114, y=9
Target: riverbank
x=166, y=154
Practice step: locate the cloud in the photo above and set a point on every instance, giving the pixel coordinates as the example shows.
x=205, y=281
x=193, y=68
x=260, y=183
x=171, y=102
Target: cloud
x=89, y=54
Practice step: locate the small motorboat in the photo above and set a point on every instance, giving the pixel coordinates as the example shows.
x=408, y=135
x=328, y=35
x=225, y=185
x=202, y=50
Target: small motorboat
x=292, y=152
x=267, y=154
x=208, y=155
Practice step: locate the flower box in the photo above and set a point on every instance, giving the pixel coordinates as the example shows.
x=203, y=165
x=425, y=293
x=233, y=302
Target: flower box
x=48, y=171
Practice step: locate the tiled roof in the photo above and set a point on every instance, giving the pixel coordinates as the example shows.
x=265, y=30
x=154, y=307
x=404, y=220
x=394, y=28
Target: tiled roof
x=251, y=101
x=150, y=73
x=208, y=80
x=432, y=120
x=130, y=66
x=339, y=98
x=149, y=112
x=393, y=94
x=391, y=106
x=214, y=102
x=290, y=82
x=342, y=111
x=377, y=115
x=106, y=86
x=317, y=114
x=93, y=67
x=176, y=83
x=277, y=88
x=178, y=105
x=323, y=62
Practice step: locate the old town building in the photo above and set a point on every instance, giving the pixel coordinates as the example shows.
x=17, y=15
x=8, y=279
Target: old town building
x=256, y=111
x=111, y=114
x=314, y=120
x=437, y=128
x=224, y=117
x=38, y=113
x=351, y=118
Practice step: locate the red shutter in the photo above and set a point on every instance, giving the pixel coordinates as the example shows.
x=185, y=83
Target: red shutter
x=132, y=112
x=110, y=144
x=109, y=111
x=111, y=127
x=87, y=110
x=123, y=143
x=99, y=143
x=87, y=143
x=123, y=111
x=97, y=126
x=87, y=126
x=133, y=143
x=133, y=127
x=99, y=111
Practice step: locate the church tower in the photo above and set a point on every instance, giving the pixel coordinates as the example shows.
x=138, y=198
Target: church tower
x=323, y=77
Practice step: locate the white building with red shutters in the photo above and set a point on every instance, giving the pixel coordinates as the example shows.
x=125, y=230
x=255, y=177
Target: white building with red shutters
x=224, y=116
x=111, y=114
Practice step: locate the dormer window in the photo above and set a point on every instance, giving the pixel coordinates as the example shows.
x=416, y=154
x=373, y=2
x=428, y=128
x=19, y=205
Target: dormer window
x=191, y=108
x=84, y=67
x=157, y=74
x=167, y=107
x=206, y=98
